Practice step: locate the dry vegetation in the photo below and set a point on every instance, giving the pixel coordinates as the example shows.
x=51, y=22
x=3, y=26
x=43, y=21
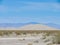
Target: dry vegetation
x=19, y=32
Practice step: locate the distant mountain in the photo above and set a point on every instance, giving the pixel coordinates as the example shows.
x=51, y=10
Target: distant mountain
x=37, y=27
x=53, y=25
x=23, y=24
x=33, y=23
x=11, y=24
x=15, y=24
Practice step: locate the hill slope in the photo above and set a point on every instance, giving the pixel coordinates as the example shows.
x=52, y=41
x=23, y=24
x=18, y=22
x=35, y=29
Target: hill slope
x=36, y=27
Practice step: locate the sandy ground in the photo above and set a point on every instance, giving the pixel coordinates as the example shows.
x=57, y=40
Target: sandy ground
x=18, y=42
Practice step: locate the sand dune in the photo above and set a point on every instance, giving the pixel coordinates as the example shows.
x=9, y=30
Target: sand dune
x=31, y=27
x=36, y=27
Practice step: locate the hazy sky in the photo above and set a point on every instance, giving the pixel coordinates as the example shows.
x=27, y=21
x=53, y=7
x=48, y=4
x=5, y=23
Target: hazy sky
x=43, y=11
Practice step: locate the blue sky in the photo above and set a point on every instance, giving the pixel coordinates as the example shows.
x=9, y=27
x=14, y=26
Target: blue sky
x=22, y=11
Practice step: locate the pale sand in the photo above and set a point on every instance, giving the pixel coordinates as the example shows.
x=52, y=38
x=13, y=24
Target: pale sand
x=30, y=27
x=37, y=27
